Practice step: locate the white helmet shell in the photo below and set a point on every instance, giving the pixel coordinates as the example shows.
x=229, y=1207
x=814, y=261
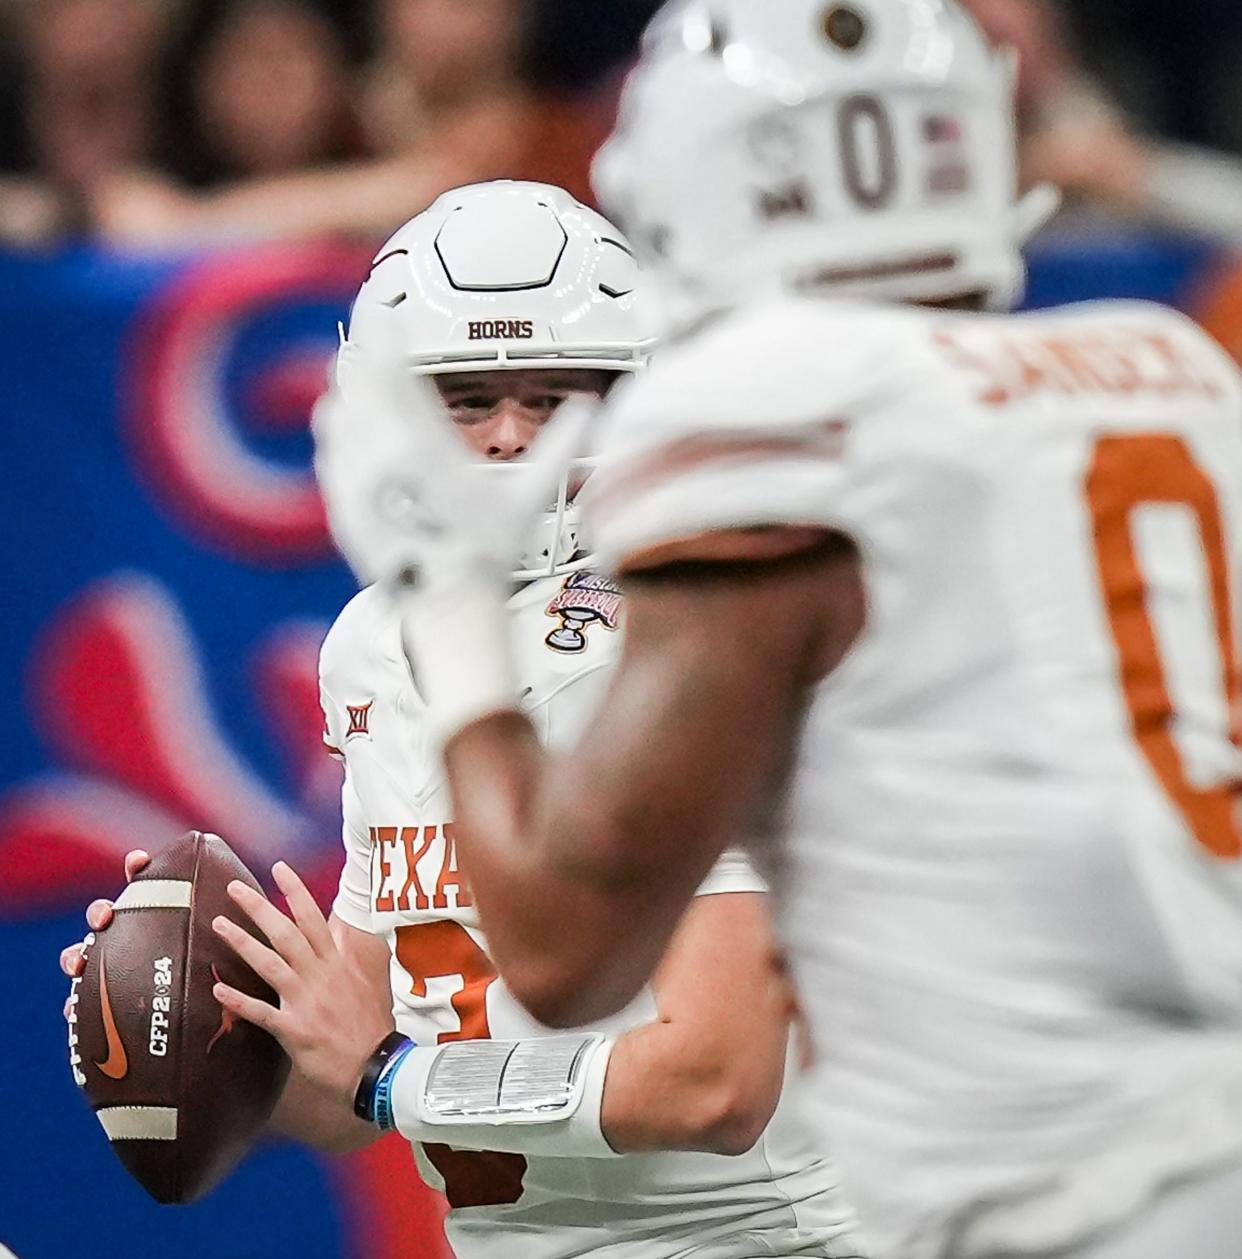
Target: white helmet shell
x=506, y=275
x=859, y=147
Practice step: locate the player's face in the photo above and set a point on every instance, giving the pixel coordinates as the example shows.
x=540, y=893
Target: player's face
x=499, y=414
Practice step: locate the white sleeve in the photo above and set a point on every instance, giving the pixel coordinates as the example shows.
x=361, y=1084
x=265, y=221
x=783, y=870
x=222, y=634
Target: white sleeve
x=333, y=734
x=733, y=873
x=746, y=426
x=353, y=895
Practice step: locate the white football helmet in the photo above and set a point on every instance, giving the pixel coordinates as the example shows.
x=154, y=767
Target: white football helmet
x=507, y=276
x=857, y=147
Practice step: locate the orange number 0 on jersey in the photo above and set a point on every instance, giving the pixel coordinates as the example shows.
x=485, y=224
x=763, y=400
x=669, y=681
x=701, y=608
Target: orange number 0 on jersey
x=443, y=950
x=1129, y=471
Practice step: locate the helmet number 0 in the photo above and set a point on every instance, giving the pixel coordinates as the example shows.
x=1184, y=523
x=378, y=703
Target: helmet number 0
x=868, y=150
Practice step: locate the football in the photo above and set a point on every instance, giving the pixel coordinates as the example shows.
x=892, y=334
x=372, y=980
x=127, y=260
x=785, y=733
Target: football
x=181, y=1087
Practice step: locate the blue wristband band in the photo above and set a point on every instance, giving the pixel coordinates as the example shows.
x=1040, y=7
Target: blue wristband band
x=391, y=1048
x=381, y=1103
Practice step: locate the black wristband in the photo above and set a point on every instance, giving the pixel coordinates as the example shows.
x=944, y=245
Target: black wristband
x=364, y=1098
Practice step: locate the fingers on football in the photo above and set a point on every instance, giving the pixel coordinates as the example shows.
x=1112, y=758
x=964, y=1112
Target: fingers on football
x=284, y=935
x=135, y=862
x=72, y=962
x=265, y=962
x=249, y=1008
x=306, y=913
x=98, y=914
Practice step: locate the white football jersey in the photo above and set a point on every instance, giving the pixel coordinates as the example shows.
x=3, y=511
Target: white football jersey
x=1010, y=878
x=401, y=880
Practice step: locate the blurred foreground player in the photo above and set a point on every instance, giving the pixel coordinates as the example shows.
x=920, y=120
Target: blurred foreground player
x=513, y=297
x=947, y=601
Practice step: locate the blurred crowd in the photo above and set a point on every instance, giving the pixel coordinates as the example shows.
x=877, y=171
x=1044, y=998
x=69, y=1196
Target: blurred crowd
x=171, y=122
x=163, y=121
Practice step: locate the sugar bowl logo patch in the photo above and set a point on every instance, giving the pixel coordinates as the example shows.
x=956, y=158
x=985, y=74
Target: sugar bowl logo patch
x=584, y=600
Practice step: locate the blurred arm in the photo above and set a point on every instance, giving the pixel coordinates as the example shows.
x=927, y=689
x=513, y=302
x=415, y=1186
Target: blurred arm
x=1195, y=190
x=706, y=1076
x=1085, y=145
x=583, y=863
x=368, y=199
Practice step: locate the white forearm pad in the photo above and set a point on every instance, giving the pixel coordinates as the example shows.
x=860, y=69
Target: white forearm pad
x=455, y=629
x=540, y=1096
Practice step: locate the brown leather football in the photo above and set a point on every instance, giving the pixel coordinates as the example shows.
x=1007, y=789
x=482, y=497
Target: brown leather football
x=180, y=1086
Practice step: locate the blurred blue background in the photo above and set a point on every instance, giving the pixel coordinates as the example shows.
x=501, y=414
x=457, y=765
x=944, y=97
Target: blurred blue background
x=167, y=583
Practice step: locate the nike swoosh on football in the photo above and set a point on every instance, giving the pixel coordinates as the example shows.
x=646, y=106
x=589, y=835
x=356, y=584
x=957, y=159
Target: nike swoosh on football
x=116, y=1065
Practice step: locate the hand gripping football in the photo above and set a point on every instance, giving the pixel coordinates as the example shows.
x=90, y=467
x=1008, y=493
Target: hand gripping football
x=181, y=1087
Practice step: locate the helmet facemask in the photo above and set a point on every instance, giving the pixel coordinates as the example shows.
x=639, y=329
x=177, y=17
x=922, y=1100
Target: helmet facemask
x=558, y=546
x=555, y=546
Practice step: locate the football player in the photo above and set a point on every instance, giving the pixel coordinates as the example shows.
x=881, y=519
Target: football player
x=944, y=598
x=512, y=298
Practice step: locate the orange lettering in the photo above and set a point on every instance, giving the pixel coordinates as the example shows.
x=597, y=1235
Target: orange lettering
x=996, y=393
x=1074, y=360
x=412, y=858
x=1182, y=377
x=1032, y=375
x=381, y=837
x=1120, y=360
x=1158, y=468
x=430, y=950
x=445, y=949
x=1122, y=371
x=450, y=877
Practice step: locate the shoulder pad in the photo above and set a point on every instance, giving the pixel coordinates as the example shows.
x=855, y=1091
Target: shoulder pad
x=565, y=626
x=365, y=635
x=779, y=365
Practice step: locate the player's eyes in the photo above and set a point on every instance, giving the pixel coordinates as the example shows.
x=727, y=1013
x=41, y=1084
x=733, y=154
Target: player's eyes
x=476, y=409
x=546, y=402
x=470, y=410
